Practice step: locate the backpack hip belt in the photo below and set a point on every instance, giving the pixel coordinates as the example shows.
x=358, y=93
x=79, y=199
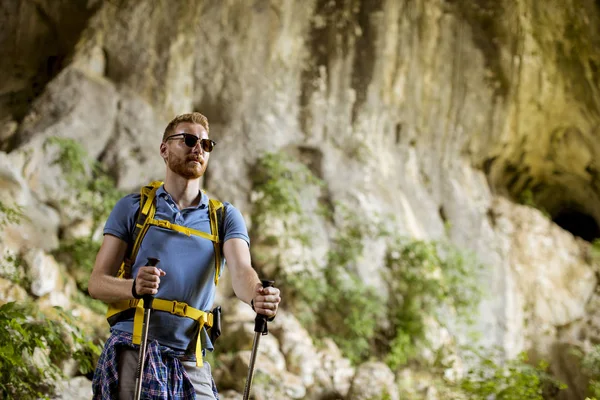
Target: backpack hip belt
x=179, y=308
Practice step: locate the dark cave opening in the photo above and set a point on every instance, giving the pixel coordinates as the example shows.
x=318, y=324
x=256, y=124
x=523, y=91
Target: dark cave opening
x=578, y=223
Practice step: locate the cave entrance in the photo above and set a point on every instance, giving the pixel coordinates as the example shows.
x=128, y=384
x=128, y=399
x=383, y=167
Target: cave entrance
x=578, y=223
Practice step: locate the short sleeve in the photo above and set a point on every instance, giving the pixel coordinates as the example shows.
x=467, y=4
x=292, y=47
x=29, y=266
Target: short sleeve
x=235, y=226
x=121, y=221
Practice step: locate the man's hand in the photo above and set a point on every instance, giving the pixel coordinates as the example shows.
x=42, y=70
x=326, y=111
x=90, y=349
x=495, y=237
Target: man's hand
x=266, y=300
x=148, y=280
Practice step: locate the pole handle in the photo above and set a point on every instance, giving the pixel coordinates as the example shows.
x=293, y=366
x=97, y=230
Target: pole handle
x=148, y=298
x=260, y=322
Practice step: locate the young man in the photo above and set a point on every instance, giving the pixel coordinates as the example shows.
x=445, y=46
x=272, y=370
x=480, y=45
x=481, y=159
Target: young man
x=185, y=273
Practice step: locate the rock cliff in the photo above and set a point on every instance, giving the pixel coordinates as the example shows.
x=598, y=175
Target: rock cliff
x=474, y=122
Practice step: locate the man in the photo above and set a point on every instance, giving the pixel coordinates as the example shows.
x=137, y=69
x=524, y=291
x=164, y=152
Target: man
x=185, y=273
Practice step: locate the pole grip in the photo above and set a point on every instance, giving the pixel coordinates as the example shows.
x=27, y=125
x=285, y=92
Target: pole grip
x=148, y=298
x=260, y=322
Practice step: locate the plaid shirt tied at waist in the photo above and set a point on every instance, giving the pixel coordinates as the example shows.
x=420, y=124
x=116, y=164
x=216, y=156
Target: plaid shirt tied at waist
x=164, y=376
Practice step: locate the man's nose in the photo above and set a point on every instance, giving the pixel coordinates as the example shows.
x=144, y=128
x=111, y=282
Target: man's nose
x=199, y=146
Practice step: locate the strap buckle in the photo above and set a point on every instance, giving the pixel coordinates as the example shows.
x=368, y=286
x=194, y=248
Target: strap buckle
x=179, y=308
x=133, y=303
x=163, y=224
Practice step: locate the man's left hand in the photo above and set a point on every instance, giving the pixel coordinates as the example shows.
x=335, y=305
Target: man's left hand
x=266, y=300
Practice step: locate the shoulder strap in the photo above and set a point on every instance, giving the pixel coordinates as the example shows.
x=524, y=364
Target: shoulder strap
x=216, y=211
x=145, y=213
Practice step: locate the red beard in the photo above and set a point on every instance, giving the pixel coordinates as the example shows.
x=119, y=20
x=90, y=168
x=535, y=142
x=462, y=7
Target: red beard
x=184, y=167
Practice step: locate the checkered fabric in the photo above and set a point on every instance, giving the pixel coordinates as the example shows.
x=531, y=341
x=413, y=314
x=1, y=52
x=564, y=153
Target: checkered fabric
x=164, y=375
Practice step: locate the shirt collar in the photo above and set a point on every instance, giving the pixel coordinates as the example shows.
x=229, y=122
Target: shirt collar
x=161, y=192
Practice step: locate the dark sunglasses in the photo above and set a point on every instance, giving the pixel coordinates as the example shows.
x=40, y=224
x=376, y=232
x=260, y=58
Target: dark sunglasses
x=191, y=140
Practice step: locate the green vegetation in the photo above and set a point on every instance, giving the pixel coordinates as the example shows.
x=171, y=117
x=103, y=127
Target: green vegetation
x=426, y=280
x=280, y=183
x=10, y=215
x=590, y=364
x=527, y=199
x=513, y=380
x=95, y=195
x=79, y=254
x=595, y=251
x=32, y=346
x=12, y=269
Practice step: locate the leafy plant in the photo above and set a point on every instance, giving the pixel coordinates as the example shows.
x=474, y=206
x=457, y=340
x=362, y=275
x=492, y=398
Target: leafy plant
x=10, y=215
x=10, y=263
x=590, y=364
x=93, y=187
x=11, y=269
x=425, y=280
x=95, y=195
x=279, y=184
x=513, y=380
x=33, y=345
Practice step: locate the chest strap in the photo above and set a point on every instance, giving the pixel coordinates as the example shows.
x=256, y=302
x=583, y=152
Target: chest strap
x=179, y=308
x=182, y=229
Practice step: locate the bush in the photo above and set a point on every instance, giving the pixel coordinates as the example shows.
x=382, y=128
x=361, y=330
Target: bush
x=513, y=380
x=590, y=364
x=279, y=183
x=425, y=280
x=27, y=337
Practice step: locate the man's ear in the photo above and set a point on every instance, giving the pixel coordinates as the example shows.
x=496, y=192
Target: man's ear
x=163, y=150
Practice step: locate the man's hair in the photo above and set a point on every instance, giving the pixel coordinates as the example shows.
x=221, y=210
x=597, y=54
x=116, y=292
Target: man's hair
x=195, y=118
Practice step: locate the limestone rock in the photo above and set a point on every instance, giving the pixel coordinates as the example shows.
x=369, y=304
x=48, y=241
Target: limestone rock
x=38, y=226
x=269, y=382
x=297, y=346
x=43, y=271
x=10, y=291
x=373, y=380
x=555, y=282
x=437, y=115
x=62, y=112
x=335, y=373
x=75, y=389
x=133, y=150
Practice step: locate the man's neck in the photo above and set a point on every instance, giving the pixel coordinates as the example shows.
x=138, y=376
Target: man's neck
x=185, y=192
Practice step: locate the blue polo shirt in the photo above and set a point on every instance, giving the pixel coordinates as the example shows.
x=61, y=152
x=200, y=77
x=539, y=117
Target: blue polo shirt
x=189, y=262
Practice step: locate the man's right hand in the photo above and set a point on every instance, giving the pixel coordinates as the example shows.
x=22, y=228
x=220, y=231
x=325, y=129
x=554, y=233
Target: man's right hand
x=147, y=280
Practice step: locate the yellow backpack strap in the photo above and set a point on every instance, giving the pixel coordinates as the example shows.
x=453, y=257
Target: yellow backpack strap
x=216, y=211
x=181, y=229
x=179, y=308
x=145, y=214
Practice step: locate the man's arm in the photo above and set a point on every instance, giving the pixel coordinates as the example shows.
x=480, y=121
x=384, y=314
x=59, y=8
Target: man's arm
x=105, y=286
x=246, y=284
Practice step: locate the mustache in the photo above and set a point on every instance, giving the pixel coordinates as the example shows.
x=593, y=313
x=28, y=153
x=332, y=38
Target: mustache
x=195, y=157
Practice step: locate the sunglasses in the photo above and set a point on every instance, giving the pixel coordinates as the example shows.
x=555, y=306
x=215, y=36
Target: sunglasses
x=191, y=140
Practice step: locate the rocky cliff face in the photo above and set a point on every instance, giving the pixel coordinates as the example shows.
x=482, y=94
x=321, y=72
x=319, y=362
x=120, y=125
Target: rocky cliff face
x=442, y=113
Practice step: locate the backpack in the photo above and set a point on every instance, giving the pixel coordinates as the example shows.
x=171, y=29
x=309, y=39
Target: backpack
x=145, y=219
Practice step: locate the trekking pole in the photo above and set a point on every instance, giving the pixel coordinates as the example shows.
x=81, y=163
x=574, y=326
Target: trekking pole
x=260, y=328
x=148, y=299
